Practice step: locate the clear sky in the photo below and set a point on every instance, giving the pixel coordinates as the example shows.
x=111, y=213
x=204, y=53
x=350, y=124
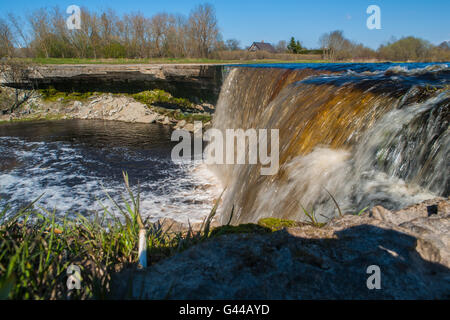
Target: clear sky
x=274, y=20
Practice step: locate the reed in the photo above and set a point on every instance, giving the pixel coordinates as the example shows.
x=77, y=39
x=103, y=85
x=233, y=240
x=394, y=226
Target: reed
x=37, y=247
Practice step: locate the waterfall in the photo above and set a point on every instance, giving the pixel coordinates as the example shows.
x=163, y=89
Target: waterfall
x=372, y=137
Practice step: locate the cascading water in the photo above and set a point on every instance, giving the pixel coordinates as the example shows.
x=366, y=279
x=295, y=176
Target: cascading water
x=368, y=134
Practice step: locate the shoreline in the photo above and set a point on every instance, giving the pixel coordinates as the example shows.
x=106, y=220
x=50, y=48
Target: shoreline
x=111, y=107
x=110, y=264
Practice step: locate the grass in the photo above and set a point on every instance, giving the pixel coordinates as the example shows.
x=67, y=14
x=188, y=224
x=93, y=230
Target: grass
x=188, y=117
x=275, y=224
x=312, y=218
x=162, y=61
x=162, y=98
x=242, y=228
x=51, y=94
x=37, y=247
x=38, y=117
x=156, y=100
x=164, y=103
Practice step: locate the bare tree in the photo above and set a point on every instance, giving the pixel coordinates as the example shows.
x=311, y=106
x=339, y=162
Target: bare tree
x=335, y=45
x=61, y=45
x=21, y=37
x=6, y=40
x=15, y=73
x=203, y=29
x=159, y=27
x=232, y=44
x=40, y=25
x=175, y=44
x=107, y=35
x=281, y=46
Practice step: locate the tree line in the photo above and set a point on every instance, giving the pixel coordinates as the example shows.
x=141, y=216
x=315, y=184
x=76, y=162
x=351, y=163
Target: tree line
x=336, y=47
x=104, y=34
x=107, y=35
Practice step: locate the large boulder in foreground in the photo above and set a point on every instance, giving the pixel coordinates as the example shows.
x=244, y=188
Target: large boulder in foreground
x=410, y=246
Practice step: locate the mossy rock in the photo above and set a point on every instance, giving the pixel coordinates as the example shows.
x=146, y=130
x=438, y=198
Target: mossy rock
x=51, y=94
x=275, y=224
x=242, y=228
x=162, y=98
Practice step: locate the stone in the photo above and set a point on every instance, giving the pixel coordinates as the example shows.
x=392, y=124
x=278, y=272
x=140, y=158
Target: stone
x=421, y=210
x=77, y=104
x=192, y=81
x=189, y=127
x=166, y=120
x=306, y=262
x=180, y=124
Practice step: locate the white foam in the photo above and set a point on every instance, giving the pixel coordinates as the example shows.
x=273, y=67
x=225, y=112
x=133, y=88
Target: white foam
x=187, y=193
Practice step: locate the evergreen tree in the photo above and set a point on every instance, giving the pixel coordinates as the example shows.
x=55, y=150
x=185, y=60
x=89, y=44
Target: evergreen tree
x=294, y=46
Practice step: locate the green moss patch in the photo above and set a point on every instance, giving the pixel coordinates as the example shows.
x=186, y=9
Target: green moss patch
x=275, y=224
x=176, y=108
x=162, y=98
x=51, y=94
x=242, y=228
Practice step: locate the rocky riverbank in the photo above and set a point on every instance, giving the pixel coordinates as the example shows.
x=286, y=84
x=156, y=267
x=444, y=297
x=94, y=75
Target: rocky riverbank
x=410, y=247
x=108, y=106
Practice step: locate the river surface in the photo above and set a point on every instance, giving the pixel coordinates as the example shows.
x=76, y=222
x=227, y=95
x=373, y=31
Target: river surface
x=73, y=163
x=368, y=134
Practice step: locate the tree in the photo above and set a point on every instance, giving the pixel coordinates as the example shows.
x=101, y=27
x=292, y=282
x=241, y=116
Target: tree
x=336, y=47
x=176, y=42
x=159, y=25
x=40, y=26
x=294, y=46
x=203, y=30
x=332, y=43
x=409, y=48
x=21, y=37
x=6, y=40
x=281, y=46
x=232, y=45
x=16, y=73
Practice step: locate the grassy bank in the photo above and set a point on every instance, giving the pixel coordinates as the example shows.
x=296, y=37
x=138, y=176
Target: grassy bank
x=37, y=247
x=39, y=117
x=165, y=104
x=157, y=101
x=51, y=94
x=163, y=61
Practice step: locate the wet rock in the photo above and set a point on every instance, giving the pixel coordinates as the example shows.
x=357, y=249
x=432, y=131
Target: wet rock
x=171, y=225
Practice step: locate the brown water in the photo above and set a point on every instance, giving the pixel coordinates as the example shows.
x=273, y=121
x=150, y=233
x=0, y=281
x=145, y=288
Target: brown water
x=369, y=138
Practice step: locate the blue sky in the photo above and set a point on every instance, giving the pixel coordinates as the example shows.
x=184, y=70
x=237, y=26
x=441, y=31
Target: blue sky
x=273, y=20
